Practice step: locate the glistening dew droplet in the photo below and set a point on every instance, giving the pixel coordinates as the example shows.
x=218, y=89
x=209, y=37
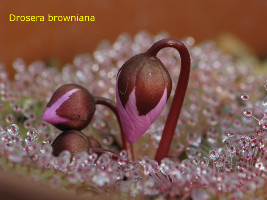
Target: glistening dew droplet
x=244, y=141
x=10, y=118
x=192, y=152
x=213, y=154
x=28, y=140
x=231, y=149
x=263, y=122
x=193, y=138
x=219, y=162
x=265, y=102
x=231, y=133
x=13, y=129
x=265, y=85
x=248, y=112
x=205, y=161
x=245, y=96
x=32, y=132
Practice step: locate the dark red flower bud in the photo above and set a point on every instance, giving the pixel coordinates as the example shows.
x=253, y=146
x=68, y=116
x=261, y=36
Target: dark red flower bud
x=71, y=107
x=73, y=141
x=143, y=88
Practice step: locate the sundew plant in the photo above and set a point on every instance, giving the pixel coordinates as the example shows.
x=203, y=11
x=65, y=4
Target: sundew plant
x=144, y=117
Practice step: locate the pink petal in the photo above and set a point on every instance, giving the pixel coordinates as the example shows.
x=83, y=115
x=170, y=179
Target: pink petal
x=50, y=114
x=134, y=126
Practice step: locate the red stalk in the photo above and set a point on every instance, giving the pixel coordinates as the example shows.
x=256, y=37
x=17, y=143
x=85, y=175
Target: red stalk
x=178, y=99
x=112, y=106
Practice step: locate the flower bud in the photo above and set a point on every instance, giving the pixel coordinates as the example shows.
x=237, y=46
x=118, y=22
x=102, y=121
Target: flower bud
x=143, y=88
x=73, y=141
x=71, y=107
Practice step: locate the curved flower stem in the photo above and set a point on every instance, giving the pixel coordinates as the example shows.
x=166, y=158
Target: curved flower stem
x=101, y=150
x=112, y=106
x=178, y=99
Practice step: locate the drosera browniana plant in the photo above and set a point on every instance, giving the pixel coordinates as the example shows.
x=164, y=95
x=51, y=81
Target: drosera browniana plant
x=218, y=149
x=142, y=90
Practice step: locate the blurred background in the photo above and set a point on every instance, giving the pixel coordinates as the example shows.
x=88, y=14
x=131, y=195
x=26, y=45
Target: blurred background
x=201, y=19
